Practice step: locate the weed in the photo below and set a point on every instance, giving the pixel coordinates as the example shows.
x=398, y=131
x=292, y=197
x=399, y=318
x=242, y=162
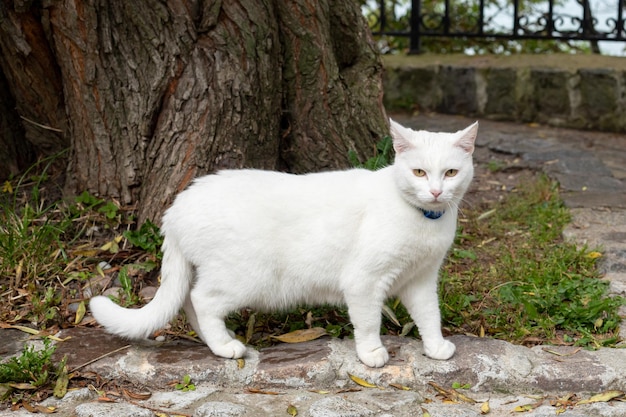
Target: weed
x=185, y=385
x=31, y=370
x=147, y=238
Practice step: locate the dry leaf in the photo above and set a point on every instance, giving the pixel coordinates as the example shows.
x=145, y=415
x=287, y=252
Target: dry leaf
x=400, y=387
x=60, y=387
x=38, y=408
x=452, y=394
x=111, y=247
x=425, y=412
x=137, y=395
x=602, y=397
x=300, y=336
x=25, y=329
x=241, y=363
x=250, y=327
x=21, y=385
x=407, y=328
x=80, y=312
x=524, y=408
x=484, y=408
x=258, y=391
x=388, y=312
x=322, y=392
x=362, y=382
x=292, y=411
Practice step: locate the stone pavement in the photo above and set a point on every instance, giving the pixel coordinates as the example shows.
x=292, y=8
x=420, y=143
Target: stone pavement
x=312, y=378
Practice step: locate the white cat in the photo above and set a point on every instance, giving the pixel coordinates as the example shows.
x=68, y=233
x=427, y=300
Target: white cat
x=269, y=240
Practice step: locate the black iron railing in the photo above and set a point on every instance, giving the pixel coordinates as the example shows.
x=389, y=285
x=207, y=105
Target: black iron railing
x=524, y=22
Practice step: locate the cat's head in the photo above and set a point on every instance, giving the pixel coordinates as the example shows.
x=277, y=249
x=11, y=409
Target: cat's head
x=433, y=170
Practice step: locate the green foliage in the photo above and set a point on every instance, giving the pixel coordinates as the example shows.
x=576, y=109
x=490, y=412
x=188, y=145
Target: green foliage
x=148, y=238
x=185, y=385
x=382, y=156
x=86, y=202
x=32, y=370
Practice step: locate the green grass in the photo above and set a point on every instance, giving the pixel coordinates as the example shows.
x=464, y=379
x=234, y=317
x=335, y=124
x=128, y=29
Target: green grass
x=523, y=282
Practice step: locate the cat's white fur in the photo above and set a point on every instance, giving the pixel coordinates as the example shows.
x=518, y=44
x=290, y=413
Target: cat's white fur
x=269, y=240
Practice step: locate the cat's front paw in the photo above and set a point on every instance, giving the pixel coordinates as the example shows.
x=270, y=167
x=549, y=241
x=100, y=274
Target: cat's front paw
x=232, y=350
x=441, y=351
x=374, y=358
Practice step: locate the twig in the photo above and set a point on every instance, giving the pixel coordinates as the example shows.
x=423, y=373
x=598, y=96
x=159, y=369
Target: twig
x=54, y=129
x=98, y=358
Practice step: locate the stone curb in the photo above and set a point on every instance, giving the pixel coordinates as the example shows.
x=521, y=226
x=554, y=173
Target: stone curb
x=488, y=365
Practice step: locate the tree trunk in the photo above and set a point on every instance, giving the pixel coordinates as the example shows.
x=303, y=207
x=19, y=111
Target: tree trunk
x=155, y=93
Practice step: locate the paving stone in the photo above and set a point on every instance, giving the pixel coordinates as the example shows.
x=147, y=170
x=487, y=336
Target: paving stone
x=111, y=409
x=338, y=407
x=219, y=409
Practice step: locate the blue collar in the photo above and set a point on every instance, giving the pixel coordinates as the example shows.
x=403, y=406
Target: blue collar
x=433, y=215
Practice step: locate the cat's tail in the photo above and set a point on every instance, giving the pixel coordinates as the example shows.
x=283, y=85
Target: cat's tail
x=176, y=277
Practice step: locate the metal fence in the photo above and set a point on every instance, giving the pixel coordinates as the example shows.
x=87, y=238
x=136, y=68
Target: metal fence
x=438, y=20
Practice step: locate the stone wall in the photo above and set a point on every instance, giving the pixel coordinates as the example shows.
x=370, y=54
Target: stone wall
x=579, y=91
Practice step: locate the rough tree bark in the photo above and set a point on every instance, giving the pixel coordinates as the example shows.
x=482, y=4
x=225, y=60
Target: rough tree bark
x=150, y=94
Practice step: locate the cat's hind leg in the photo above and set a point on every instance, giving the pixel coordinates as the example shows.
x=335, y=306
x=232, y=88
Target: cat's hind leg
x=365, y=315
x=422, y=301
x=208, y=313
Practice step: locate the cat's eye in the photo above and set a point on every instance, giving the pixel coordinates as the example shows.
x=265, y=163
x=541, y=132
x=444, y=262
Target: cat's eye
x=419, y=172
x=451, y=172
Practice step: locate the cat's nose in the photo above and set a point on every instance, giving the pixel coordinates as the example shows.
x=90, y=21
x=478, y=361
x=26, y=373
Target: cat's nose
x=436, y=193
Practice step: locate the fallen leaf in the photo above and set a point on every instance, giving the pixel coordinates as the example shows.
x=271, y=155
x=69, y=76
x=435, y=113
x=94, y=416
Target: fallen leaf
x=80, y=312
x=322, y=392
x=594, y=255
x=258, y=391
x=388, y=312
x=425, y=412
x=7, y=187
x=25, y=329
x=137, y=395
x=111, y=247
x=452, y=394
x=292, y=411
x=250, y=327
x=21, y=385
x=299, y=336
x=63, y=379
x=407, y=328
x=400, y=387
x=523, y=408
x=484, y=408
x=602, y=397
x=362, y=382
x=486, y=214
x=241, y=363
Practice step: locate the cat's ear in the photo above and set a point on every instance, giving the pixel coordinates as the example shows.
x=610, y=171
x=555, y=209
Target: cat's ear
x=399, y=135
x=467, y=138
